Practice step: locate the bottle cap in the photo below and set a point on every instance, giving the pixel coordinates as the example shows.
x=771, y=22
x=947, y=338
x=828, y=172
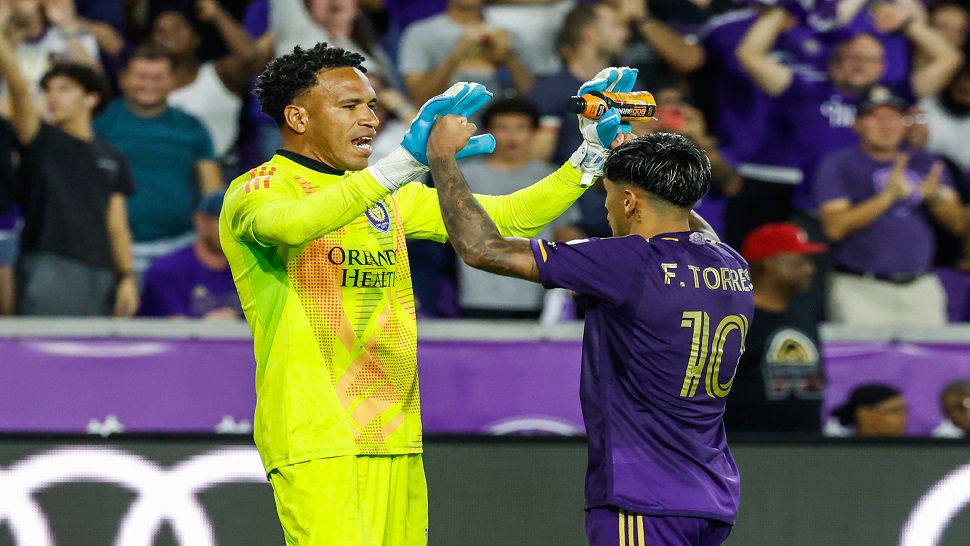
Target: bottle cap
x=576, y=105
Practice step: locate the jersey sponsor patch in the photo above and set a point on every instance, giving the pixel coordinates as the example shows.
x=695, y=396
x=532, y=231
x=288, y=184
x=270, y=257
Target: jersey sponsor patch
x=378, y=217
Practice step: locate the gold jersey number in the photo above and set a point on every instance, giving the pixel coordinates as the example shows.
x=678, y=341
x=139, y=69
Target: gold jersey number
x=707, y=352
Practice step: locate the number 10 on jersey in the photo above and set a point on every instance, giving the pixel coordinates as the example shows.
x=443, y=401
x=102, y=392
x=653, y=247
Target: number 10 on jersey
x=708, y=352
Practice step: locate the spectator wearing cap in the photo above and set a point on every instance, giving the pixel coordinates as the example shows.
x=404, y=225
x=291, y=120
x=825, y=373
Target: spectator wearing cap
x=779, y=382
x=877, y=205
x=75, y=251
x=872, y=410
x=955, y=402
x=194, y=282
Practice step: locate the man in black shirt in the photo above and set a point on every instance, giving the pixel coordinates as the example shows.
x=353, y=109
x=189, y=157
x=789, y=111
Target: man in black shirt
x=778, y=384
x=75, y=254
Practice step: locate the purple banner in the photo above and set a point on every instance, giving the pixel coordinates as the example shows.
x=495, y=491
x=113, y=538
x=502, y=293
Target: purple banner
x=499, y=387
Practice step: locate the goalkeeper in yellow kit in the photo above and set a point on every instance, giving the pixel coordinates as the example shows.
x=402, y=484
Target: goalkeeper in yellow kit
x=316, y=242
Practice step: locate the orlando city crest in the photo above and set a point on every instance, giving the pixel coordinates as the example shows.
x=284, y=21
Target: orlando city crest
x=378, y=217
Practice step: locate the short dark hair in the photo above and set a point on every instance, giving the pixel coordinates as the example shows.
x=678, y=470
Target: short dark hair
x=85, y=76
x=571, y=31
x=863, y=396
x=291, y=75
x=516, y=105
x=669, y=166
x=149, y=52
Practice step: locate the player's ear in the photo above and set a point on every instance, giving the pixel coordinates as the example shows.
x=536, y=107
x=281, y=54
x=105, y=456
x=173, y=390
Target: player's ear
x=296, y=118
x=630, y=201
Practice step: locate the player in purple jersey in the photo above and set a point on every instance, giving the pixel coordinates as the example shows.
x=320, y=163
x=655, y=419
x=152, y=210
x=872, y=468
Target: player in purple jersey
x=671, y=307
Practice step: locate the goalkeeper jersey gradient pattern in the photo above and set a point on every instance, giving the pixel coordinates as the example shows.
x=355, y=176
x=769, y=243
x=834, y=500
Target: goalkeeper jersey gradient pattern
x=320, y=263
x=360, y=306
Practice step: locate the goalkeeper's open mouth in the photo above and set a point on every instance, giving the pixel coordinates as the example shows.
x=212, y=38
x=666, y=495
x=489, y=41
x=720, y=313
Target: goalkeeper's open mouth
x=363, y=145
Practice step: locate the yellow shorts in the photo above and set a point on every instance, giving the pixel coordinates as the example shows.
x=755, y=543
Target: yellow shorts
x=353, y=501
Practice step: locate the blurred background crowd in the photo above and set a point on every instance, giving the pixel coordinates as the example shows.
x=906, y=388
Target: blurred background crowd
x=838, y=132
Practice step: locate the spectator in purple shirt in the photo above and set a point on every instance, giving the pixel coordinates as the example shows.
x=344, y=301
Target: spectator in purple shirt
x=742, y=116
x=653, y=389
x=876, y=204
x=194, y=282
x=818, y=110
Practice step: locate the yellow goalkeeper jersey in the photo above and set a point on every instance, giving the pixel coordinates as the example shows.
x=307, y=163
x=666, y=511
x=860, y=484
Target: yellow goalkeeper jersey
x=321, y=266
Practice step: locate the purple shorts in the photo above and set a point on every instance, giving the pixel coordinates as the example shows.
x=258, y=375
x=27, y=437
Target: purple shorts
x=611, y=526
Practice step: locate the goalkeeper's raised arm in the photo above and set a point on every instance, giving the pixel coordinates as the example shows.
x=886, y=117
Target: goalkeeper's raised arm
x=323, y=105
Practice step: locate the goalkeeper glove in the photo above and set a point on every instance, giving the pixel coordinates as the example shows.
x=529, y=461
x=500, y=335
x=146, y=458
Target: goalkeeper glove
x=599, y=134
x=410, y=160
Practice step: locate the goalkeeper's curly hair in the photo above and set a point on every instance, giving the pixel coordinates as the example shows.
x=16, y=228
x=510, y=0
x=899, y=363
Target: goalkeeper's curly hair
x=293, y=74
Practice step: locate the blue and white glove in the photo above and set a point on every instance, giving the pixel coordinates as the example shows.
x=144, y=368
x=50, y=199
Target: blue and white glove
x=599, y=134
x=461, y=99
x=410, y=160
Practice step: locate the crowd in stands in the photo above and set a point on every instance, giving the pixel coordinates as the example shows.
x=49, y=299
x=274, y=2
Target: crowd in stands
x=837, y=132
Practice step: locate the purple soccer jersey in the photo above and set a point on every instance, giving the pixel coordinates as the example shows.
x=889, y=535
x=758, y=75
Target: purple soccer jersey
x=664, y=333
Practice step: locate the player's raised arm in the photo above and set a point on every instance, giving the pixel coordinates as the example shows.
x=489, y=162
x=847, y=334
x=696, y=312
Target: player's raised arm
x=525, y=212
x=471, y=231
x=23, y=116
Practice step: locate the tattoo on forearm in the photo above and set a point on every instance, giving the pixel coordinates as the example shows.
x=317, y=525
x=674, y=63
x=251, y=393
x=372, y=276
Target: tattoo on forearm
x=472, y=232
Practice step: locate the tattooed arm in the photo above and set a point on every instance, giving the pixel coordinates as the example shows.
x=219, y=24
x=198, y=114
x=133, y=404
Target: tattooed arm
x=470, y=230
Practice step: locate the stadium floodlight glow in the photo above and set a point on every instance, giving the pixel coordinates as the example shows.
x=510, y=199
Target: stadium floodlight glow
x=934, y=511
x=162, y=494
